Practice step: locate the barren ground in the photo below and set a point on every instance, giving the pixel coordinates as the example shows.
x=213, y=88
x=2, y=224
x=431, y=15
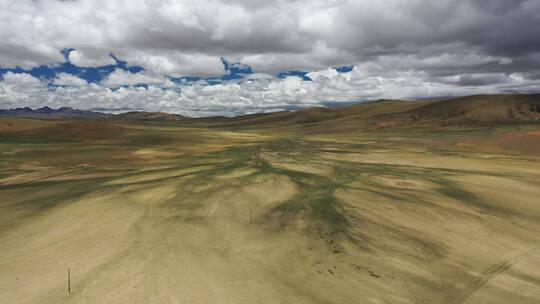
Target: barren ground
x=448, y=216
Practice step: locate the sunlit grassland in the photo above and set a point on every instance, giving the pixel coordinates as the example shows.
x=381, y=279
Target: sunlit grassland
x=160, y=211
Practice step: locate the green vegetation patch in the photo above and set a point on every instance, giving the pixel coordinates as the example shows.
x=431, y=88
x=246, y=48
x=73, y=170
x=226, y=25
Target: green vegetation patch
x=316, y=195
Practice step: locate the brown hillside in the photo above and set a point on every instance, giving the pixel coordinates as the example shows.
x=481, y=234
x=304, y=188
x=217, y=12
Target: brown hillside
x=479, y=109
x=471, y=109
x=359, y=112
x=153, y=116
x=28, y=130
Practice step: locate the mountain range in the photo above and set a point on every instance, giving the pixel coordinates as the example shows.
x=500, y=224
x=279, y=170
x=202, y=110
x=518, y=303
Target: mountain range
x=50, y=112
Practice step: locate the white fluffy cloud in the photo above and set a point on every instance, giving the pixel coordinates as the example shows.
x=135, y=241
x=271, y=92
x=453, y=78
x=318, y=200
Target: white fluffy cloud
x=253, y=94
x=177, y=64
x=122, y=78
x=65, y=79
x=21, y=89
x=90, y=58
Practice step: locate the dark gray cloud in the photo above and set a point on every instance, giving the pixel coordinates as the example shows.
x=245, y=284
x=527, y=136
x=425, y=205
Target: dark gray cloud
x=268, y=34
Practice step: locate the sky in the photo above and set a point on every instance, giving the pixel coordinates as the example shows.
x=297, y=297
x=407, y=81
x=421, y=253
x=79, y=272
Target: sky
x=218, y=57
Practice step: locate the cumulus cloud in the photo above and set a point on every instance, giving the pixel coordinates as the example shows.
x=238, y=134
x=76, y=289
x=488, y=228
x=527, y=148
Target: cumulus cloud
x=251, y=95
x=400, y=49
x=65, y=79
x=328, y=73
x=121, y=77
x=324, y=33
x=177, y=64
x=20, y=89
x=90, y=58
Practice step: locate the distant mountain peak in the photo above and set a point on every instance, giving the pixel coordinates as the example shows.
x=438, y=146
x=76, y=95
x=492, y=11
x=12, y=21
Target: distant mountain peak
x=47, y=111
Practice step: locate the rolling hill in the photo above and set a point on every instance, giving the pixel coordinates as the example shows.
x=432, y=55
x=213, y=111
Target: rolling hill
x=152, y=116
x=479, y=109
x=388, y=202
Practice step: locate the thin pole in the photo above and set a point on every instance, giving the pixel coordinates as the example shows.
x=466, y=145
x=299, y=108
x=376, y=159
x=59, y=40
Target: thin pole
x=69, y=281
x=250, y=216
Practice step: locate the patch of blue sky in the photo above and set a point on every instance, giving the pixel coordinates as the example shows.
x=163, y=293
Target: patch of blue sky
x=300, y=74
x=344, y=69
x=90, y=74
x=235, y=71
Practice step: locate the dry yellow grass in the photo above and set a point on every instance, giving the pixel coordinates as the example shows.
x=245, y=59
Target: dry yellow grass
x=342, y=218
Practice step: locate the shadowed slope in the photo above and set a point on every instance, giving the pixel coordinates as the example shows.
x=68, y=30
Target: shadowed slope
x=154, y=116
x=471, y=110
x=27, y=130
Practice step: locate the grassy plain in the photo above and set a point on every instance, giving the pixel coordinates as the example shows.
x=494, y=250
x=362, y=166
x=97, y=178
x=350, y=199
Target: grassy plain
x=148, y=212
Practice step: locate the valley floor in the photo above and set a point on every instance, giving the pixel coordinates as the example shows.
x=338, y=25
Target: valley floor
x=220, y=215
